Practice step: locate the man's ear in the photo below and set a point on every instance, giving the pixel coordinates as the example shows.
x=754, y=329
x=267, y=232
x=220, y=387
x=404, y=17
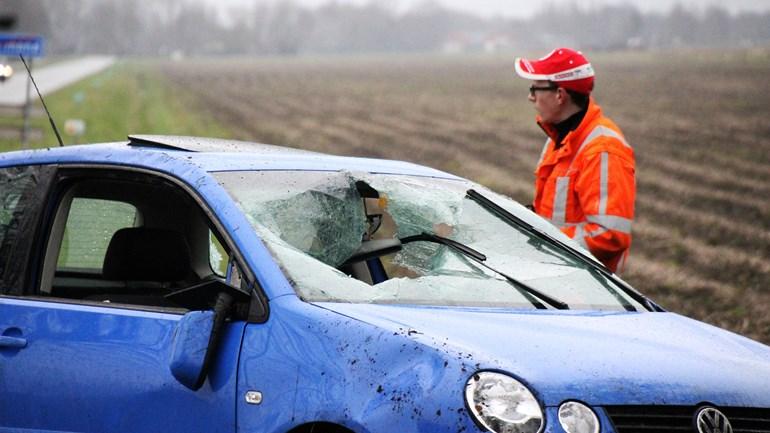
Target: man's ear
x=562, y=96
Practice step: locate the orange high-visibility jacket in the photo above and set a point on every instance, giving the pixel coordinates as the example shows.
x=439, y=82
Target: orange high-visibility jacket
x=587, y=188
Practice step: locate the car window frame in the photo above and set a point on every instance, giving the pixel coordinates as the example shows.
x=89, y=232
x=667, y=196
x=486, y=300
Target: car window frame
x=56, y=229
x=63, y=174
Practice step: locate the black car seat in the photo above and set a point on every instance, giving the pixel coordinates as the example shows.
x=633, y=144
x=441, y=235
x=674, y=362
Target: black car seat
x=151, y=262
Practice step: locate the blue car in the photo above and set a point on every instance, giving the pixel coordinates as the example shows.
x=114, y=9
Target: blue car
x=197, y=285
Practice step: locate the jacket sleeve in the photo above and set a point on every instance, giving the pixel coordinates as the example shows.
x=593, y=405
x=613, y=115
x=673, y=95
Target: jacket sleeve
x=605, y=188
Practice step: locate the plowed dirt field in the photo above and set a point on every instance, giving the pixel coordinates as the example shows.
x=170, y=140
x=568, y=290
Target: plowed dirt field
x=699, y=123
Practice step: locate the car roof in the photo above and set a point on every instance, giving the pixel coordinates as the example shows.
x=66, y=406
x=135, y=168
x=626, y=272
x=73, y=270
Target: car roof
x=211, y=154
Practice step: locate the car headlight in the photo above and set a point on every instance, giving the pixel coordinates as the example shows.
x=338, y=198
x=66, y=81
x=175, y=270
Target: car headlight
x=576, y=417
x=502, y=404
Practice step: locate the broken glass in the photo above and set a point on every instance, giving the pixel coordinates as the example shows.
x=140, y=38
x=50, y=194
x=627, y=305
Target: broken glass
x=313, y=221
x=437, y=212
x=320, y=217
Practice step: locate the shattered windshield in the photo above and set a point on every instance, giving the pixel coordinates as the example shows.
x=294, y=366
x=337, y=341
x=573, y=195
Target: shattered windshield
x=351, y=237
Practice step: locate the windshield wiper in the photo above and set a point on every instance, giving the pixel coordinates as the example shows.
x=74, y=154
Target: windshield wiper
x=479, y=258
x=512, y=219
x=430, y=237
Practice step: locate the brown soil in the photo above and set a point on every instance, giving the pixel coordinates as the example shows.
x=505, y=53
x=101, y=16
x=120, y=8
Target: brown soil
x=698, y=123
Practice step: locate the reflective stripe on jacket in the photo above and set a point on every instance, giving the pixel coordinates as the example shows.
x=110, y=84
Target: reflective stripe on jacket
x=587, y=188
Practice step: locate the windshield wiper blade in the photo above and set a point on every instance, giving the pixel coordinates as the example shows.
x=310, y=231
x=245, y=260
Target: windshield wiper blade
x=480, y=258
x=512, y=219
x=430, y=237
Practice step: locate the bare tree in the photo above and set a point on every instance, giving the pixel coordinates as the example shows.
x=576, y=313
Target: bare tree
x=161, y=27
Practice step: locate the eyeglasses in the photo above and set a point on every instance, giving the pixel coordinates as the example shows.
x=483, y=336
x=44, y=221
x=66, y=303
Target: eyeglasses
x=533, y=89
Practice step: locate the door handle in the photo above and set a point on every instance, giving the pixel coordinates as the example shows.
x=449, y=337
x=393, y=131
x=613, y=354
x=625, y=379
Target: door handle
x=14, y=342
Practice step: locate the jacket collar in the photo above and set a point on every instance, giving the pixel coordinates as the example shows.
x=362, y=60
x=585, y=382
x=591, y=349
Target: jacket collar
x=570, y=126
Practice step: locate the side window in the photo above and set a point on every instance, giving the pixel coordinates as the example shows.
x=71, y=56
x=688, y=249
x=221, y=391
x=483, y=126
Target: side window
x=14, y=186
x=22, y=195
x=218, y=257
x=90, y=226
x=222, y=263
x=129, y=239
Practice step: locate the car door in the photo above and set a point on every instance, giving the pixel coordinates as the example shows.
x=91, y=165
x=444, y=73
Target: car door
x=83, y=352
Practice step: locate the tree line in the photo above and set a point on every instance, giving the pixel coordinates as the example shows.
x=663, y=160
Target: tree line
x=185, y=27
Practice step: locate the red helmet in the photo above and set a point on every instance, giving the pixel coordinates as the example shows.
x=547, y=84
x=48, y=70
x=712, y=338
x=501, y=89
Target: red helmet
x=569, y=68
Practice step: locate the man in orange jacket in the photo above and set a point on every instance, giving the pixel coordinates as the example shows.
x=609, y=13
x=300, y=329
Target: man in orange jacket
x=584, y=182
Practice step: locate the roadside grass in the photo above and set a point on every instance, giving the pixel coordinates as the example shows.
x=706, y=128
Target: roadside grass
x=11, y=121
x=128, y=98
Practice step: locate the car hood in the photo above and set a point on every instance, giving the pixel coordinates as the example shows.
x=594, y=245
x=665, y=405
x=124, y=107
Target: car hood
x=601, y=358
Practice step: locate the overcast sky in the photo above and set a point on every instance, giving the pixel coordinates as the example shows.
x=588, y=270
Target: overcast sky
x=525, y=8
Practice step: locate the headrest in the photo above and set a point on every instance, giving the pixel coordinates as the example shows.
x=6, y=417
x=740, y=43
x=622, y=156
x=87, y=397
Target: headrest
x=147, y=254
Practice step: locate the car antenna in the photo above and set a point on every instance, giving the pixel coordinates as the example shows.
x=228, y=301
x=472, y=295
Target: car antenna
x=50, y=119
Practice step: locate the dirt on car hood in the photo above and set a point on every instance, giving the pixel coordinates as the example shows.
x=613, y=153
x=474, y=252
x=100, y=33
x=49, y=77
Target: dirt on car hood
x=601, y=358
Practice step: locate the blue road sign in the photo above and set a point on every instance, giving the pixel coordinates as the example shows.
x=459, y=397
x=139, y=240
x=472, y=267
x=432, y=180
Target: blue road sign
x=13, y=44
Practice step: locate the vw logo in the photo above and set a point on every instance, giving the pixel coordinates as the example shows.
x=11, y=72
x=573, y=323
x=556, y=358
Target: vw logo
x=710, y=420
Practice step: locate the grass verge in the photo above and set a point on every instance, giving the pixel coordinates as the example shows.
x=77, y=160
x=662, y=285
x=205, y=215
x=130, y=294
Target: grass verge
x=128, y=98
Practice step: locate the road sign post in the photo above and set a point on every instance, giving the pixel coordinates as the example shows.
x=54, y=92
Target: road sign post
x=28, y=46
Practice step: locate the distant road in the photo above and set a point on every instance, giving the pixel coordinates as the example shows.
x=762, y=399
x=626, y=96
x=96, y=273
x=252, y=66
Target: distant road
x=49, y=78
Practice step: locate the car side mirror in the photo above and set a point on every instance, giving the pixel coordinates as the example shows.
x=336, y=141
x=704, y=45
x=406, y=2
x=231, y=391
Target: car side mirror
x=197, y=334
x=190, y=347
